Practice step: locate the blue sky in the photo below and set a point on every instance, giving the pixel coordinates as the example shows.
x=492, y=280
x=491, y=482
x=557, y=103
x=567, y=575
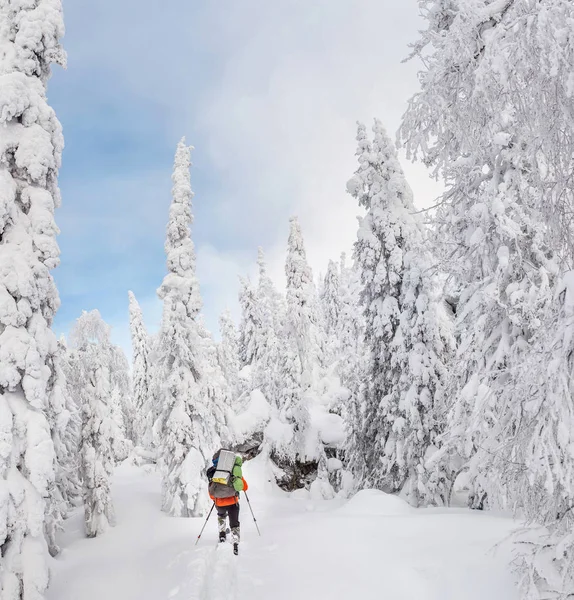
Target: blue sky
x=268, y=94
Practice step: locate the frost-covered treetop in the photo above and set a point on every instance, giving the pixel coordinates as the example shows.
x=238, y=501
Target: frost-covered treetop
x=181, y=279
x=90, y=328
x=261, y=263
x=379, y=183
x=299, y=274
x=135, y=309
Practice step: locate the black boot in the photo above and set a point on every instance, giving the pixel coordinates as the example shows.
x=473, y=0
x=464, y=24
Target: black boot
x=236, y=548
x=222, y=536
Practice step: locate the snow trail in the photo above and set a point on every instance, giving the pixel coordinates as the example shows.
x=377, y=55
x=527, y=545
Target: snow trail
x=372, y=546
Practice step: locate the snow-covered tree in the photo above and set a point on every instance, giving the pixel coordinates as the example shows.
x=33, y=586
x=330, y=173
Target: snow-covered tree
x=250, y=342
x=141, y=373
x=228, y=354
x=121, y=397
x=532, y=466
x=271, y=301
x=190, y=412
x=350, y=330
x=215, y=388
x=330, y=300
x=408, y=338
x=303, y=316
x=271, y=310
x=65, y=423
x=94, y=376
x=31, y=144
x=299, y=371
x=491, y=117
x=262, y=317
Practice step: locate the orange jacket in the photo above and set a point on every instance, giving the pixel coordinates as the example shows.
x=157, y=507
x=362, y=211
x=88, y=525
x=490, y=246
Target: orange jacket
x=232, y=499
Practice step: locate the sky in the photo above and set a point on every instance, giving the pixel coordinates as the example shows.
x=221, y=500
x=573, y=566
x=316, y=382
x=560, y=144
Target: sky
x=267, y=93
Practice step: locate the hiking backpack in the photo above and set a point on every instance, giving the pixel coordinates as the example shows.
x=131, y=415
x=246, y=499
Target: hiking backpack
x=221, y=482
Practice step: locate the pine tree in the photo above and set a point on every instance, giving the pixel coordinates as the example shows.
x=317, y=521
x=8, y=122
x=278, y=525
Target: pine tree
x=190, y=411
x=31, y=150
x=93, y=378
x=141, y=370
x=406, y=339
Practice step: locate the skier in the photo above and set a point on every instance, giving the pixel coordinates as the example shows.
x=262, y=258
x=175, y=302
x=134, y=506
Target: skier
x=229, y=506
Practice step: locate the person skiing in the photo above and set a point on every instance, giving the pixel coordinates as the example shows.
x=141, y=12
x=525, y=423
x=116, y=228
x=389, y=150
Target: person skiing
x=228, y=506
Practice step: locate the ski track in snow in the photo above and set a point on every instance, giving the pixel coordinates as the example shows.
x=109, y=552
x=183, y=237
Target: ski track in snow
x=373, y=546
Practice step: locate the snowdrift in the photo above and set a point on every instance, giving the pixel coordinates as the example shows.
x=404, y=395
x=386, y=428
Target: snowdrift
x=374, y=503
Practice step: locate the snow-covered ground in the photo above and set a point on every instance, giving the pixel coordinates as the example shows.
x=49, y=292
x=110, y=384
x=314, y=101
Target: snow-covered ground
x=373, y=546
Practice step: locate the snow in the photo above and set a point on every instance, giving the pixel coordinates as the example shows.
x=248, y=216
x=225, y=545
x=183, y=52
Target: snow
x=254, y=418
x=383, y=547
x=374, y=503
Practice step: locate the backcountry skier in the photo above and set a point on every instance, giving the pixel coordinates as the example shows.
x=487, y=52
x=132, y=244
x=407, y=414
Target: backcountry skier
x=226, y=497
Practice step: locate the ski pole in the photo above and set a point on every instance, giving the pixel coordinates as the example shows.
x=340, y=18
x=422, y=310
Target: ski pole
x=254, y=519
x=209, y=515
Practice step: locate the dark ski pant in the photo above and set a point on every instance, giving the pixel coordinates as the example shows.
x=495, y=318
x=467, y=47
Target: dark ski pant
x=232, y=511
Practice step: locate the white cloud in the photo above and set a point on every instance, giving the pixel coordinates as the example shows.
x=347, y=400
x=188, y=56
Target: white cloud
x=280, y=122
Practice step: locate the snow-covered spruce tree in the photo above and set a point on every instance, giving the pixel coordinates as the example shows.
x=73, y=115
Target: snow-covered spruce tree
x=187, y=425
x=271, y=310
x=351, y=334
x=330, y=298
x=250, y=342
x=141, y=373
x=352, y=364
x=300, y=337
x=228, y=355
x=272, y=302
x=65, y=423
x=121, y=398
x=31, y=143
x=300, y=370
x=214, y=388
x=303, y=315
x=92, y=381
x=407, y=336
x=504, y=70
x=331, y=307
x=262, y=314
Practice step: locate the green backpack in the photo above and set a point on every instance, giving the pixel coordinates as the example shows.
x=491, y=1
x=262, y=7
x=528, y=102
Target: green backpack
x=227, y=483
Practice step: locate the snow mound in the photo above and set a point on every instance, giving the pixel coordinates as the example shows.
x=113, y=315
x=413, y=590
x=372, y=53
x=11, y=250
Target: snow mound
x=375, y=503
x=331, y=428
x=254, y=418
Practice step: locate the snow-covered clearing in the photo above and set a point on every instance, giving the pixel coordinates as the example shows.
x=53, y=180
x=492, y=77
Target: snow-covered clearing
x=373, y=546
